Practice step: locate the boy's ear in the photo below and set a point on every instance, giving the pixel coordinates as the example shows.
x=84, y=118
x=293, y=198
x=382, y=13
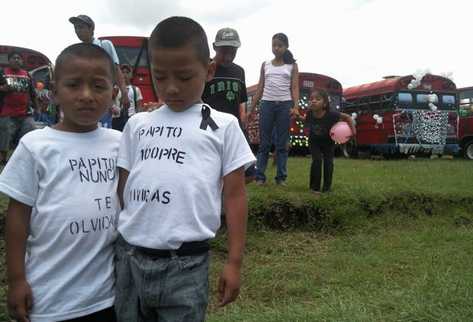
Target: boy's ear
x=211, y=70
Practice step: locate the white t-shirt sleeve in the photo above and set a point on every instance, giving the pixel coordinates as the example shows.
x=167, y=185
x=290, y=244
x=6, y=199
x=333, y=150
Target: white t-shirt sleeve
x=126, y=150
x=19, y=179
x=236, y=151
x=110, y=49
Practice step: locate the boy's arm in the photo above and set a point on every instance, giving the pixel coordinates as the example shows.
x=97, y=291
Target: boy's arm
x=20, y=298
x=236, y=210
x=259, y=91
x=122, y=178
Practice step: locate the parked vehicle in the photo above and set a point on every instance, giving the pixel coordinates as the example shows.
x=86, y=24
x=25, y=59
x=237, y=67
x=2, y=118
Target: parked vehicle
x=37, y=64
x=133, y=50
x=404, y=115
x=298, y=134
x=465, y=122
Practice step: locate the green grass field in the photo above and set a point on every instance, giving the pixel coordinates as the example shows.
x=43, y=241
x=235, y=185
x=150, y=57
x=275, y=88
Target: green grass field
x=397, y=247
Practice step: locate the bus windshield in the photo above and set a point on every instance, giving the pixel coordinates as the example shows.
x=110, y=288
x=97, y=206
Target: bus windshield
x=129, y=55
x=421, y=101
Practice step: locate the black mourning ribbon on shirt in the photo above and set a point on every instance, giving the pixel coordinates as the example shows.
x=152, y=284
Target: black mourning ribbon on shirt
x=207, y=119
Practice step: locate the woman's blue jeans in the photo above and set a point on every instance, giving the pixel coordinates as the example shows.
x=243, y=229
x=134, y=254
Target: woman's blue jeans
x=273, y=115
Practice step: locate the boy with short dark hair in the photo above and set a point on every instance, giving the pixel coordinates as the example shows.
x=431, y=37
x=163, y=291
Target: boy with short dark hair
x=134, y=96
x=62, y=181
x=174, y=163
x=226, y=92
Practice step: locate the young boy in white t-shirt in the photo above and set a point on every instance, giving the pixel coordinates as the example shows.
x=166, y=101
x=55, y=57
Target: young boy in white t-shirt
x=61, y=219
x=134, y=96
x=174, y=163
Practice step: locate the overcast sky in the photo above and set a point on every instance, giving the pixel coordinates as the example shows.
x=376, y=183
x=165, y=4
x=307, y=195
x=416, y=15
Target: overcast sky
x=354, y=41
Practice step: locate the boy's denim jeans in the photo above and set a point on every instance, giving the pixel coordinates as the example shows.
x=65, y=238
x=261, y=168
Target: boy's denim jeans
x=160, y=289
x=273, y=115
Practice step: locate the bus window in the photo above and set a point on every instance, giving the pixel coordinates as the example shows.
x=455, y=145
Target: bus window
x=128, y=55
x=404, y=99
x=335, y=102
x=4, y=59
x=448, y=101
x=423, y=100
x=466, y=107
x=42, y=74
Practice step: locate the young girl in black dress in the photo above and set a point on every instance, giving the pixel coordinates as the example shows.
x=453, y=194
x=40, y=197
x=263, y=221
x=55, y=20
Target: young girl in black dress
x=320, y=120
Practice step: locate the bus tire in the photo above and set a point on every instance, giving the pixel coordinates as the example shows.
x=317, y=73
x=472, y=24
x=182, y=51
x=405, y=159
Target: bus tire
x=468, y=150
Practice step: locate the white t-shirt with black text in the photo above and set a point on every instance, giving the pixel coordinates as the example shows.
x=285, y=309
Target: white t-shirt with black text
x=70, y=180
x=174, y=189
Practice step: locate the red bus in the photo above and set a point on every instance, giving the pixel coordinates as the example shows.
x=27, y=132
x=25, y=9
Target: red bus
x=465, y=121
x=393, y=117
x=133, y=50
x=37, y=64
x=299, y=139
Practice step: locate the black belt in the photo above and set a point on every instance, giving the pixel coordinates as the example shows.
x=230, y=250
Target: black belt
x=186, y=249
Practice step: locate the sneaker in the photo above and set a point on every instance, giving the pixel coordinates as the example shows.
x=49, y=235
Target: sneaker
x=316, y=193
x=259, y=182
x=281, y=183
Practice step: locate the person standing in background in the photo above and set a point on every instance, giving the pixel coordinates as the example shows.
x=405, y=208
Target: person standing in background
x=18, y=99
x=134, y=96
x=278, y=90
x=84, y=27
x=226, y=92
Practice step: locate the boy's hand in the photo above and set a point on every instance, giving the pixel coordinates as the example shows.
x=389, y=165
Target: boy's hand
x=229, y=284
x=20, y=301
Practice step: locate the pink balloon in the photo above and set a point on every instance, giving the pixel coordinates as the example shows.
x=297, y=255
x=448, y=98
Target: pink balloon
x=340, y=132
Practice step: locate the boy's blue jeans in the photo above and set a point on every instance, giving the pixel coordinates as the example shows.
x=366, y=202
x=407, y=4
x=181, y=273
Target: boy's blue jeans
x=160, y=289
x=273, y=115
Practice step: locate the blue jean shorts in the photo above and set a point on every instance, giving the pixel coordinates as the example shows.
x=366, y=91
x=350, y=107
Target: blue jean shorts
x=160, y=289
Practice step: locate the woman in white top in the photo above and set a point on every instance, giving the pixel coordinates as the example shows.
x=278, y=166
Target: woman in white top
x=278, y=90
